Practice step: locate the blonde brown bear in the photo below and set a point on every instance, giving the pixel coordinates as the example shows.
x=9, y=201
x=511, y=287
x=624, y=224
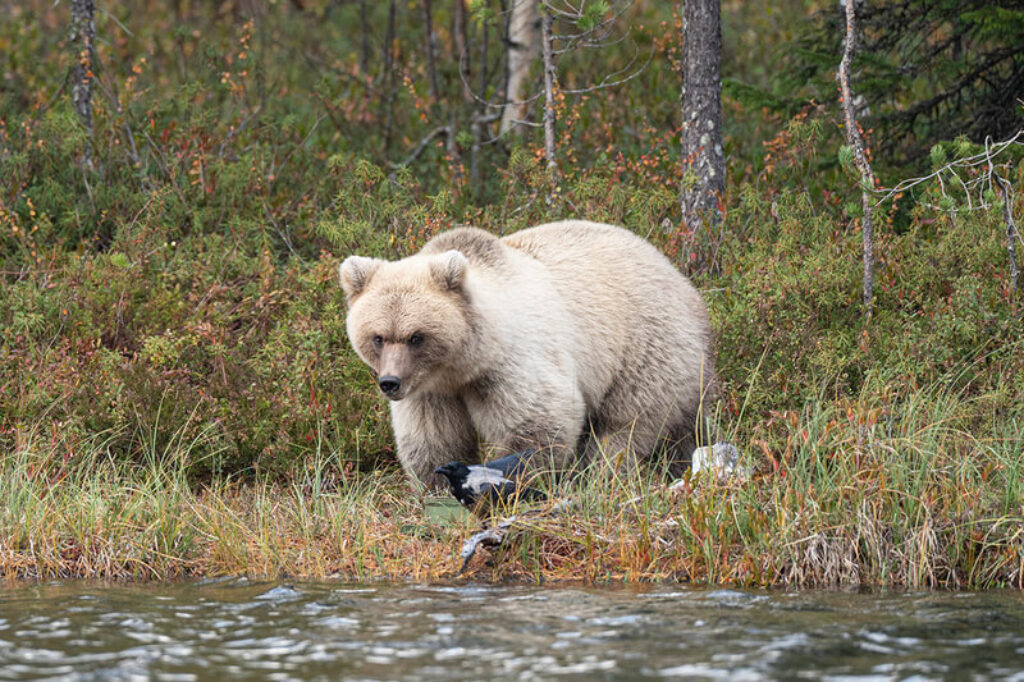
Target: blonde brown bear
x=577, y=338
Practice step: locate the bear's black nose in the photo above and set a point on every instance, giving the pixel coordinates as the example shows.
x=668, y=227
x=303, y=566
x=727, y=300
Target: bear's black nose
x=389, y=384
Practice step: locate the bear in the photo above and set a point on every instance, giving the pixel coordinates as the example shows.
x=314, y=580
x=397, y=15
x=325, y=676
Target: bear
x=574, y=338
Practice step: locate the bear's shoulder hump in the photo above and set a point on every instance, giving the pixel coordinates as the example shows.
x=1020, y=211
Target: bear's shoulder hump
x=478, y=246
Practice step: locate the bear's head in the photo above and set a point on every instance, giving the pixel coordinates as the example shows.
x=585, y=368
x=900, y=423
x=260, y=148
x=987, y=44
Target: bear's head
x=409, y=319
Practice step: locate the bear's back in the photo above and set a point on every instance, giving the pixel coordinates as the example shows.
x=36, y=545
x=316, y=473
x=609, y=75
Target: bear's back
x=600, y=267
x=631, y=306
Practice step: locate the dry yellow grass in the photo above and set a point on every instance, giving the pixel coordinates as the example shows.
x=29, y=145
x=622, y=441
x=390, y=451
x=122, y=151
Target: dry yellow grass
x=847, y=493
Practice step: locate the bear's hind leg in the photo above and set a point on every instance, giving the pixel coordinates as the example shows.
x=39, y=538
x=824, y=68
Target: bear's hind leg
x=619, y=449
x=649, y=438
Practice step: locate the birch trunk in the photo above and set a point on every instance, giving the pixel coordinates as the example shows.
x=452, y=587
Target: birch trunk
x=524, y=47
x=549, y=93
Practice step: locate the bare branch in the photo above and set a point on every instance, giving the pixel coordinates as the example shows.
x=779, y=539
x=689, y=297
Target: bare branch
x=602, y=29
x=606, y=83
x=952, y=169
x=430, y=137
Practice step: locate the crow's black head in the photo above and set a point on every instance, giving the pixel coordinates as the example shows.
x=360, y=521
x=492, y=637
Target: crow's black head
x=457, y=473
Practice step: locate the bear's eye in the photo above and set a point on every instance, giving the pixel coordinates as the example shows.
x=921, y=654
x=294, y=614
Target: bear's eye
x=378, y=341
x=416, y=339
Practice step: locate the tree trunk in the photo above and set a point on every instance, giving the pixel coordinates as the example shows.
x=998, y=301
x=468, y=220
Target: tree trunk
x=387, y=98
x=83, y=37
x=856, y=143
x=364, y=45
x=484, y=47
x=428, y=20
x=549, y=92
x=1012, y=234
x=462, y=51
x=703, y=157
x=524, y=47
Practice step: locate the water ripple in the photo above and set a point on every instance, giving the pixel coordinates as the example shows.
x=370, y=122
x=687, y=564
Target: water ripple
x=420, y=632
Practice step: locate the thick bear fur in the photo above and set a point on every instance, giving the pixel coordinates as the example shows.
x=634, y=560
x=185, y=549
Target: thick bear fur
x=576, y=338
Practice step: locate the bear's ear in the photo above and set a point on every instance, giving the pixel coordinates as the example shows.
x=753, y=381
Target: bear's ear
x=449, y=270
x=355, y=273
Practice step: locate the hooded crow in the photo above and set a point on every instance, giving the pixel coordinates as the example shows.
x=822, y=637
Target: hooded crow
x=491, y=482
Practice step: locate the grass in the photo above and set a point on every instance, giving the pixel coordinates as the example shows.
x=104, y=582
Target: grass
x=113, y=521
x=849, y=492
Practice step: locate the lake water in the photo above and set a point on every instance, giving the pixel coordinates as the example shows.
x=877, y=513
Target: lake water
x=237, y=629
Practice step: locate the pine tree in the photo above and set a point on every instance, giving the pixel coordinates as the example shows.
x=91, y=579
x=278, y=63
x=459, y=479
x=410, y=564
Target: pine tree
x=927, y=70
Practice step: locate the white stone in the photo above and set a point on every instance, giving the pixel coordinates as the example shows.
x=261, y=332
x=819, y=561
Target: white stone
x=722, y=459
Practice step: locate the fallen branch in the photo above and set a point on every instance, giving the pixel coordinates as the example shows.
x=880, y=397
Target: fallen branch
x=496, y=535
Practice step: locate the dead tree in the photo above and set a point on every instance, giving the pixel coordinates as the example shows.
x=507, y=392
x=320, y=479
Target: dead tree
x=703, y=157
x=583, y=27
x=860, y=158
x=1012, y=233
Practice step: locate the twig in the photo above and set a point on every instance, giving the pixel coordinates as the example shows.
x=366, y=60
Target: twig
x=280, y=232
x=987, y=178
x=239, y=128
x=430, y=137
x=131, y=149
x=161, y=161
x=601, y=30
x=606, y=83
x=117, y=21
x=53, y=98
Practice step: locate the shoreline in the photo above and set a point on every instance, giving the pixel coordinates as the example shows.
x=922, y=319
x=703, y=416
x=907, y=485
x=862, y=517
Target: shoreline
x=809, y=519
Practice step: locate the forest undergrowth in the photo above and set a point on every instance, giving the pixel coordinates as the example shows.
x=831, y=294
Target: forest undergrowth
x=178, y=397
